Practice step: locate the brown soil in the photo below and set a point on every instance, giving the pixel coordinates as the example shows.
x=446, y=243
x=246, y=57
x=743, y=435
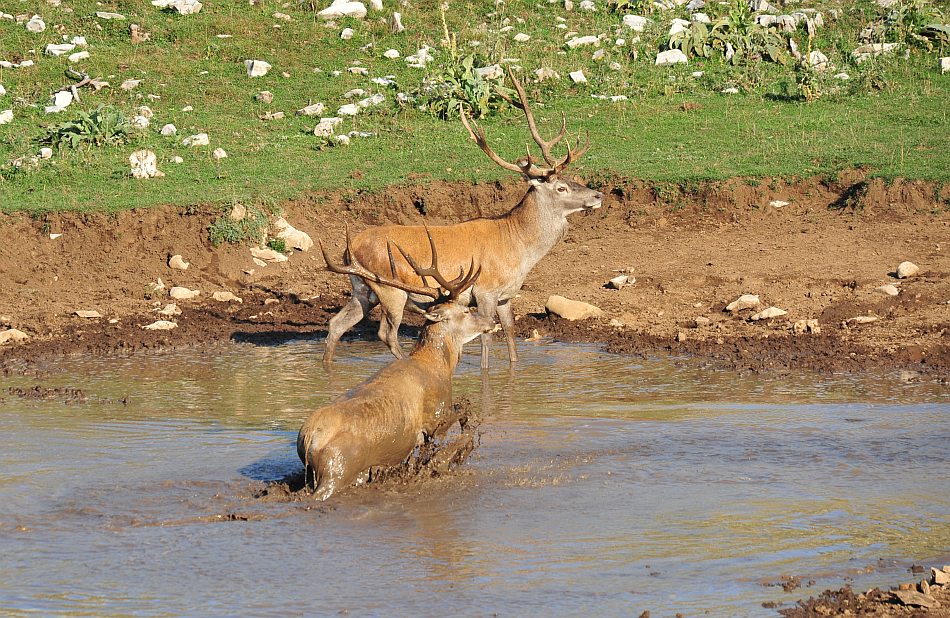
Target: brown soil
x=877, y=603
x=692, y=251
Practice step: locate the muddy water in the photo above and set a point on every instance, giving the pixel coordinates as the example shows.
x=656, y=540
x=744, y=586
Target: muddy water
x=601, y=483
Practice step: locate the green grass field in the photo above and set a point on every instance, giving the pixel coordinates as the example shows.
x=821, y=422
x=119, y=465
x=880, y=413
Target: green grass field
x=890, y=116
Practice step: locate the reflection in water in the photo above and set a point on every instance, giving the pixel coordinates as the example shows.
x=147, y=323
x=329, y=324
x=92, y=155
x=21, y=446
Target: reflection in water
x=601, y=481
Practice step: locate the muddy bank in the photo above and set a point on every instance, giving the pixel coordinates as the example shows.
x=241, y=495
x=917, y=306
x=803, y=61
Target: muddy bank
x=693, y=249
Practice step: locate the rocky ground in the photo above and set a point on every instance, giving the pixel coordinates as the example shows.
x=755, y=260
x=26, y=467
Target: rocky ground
x=819, y=251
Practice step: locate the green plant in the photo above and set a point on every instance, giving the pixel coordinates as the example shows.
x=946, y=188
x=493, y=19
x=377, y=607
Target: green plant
x=736, y=36
x=277, y=244
x=232, y=228
x=457, y=84
x=105, y=125
x=912, y=22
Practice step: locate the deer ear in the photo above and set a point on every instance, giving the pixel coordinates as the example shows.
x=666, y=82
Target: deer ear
x=433, y=317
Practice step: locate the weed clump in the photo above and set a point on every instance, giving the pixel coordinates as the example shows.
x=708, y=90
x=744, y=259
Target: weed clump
x=252, y=227
x=104, y=126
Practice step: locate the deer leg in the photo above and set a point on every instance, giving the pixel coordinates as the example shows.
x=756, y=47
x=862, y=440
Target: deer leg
x=507, y=318
x=352, y=312
x=488, y=307
x=393, y=303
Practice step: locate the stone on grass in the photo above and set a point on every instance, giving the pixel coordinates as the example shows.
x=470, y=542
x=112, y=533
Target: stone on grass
x=184, y=7
x=83, y=313
x=219, y=153
x=392, y=54
x=544, y=74
x=130, y=84
x=587, y=5
x=282, y=16
x=292, y=236
x=395, y=23
x=767, y=314
x=12, y=335
x=492, y=71
x=635, y=22
x=3, y=90
x=177, y=262
x=36, y=25
x=376, y=5
x=678, y=25
x=350, y=109
x=78, y=56
x=265, y=96
x=580, y=41
x=226, y=297
x=571, y=309
x=138, y=35
x=199, y=139
x=326, y=126
x=521, y=37
x=343, y=8
x=730, y=90
x=746, y=301
x=945, y=65
x=238, y=212
x=818, y=61
x=267, y=254
x=314, y=109
x=598, y=55
x=671, y=57
x=578, y=77
x=46, y=153
x=347, y=34
x=58, y=49
x=169, y=130
x=144, y=165
x=6, y=116
x=257, y=68
x=874, y=49
x=108, y=16
x=161, y=325
x=907, y=269
x=182, y=293
x=176, y=159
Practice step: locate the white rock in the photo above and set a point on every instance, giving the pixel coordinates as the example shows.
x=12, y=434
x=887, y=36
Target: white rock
x=169, y=130
x=36, y=24
x=199, y=139
x=226, y=297
x=599, y=55
x=907, y=269
x=170, y=309
x=620, y=42
x=257, y=68
x=587, y=5
x=578, y=77
x=176, y=159
x=945, y=64
x=347, y=34
x=395, y=22
x=282, y=16
x=771, y=312
x=130, y=84
x=746, y=301
x=161, y=325
x=806, y=326
x=3, y=90
x=579, y=41
x=292, y=236
x=778, y=203
x=265, y=96
x=678, y=25
x=874, y=49
x=350, y=109
x=181, y=293
x=356, y=92
x=238, y=212
x=544, y=74
x=6, y=116
x=376, y=5
x=343, y=8
x=314, y=109
x=842, y=76
x=46, y=153
x=78, y=56
x=700, y=18
x=267, y=254
x=259, y=262
x=12, y=335
x=106, y=15
x=521, y=37
x=392, y=54
x=141, y=122
x=697, y=73
x=888, y=290
x=635, y=22
x=372, y=101
x=342, y=140
x=58, y=49
x=144, y=164
x=187, y=108
x=620, y=282
x=177, y=262
x=184, y=7
x=571, y=309
x=670, y=57
x=730, y=90
x=862, y=319
x=219, y=153
x=326, y=126
x=82, y=313
x=819, y=61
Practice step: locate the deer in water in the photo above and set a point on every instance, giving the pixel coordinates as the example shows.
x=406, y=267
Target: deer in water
x=380, y=422
x=506, y=248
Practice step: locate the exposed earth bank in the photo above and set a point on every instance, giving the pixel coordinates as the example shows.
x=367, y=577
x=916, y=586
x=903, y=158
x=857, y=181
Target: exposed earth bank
x=822, y=255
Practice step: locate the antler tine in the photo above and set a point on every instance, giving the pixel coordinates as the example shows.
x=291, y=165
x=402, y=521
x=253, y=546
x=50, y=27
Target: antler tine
x=357, y=269
x=529, y=170
x=573, y=155
x=545, y=145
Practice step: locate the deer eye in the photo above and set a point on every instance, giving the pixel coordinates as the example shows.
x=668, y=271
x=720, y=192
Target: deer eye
x=562, y=189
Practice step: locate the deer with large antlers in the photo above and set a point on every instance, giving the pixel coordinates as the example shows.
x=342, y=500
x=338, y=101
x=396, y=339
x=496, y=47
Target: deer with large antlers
x=506, y=247
x=380, y=422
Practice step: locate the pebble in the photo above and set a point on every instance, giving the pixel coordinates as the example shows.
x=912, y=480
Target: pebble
x=58, y=49
x=226, y=297
x=199, y=139
x=13, y=335
x=395, y=23
x=314, y=109
x=257, y=68
x=671, y=57
x=907, y=269
x=170, y=309
x=161, y=325
x=806, y=326
x=945, y=65
x=746, y=301
x=169, y=130
x=347, y=34
x=6, y=116
x=767, y=314
x=176, y=159
x=701, y=321
x=521, y=37
x=82, y=313
x=268, y=254
x=238, y=212
x=343, y=8
x=46, y=153
x=292, y=236
x=618, y=283
x=219, y=153
x=578, y=77
x=940, y=577
x=571, y=309
x=579, y=41
x=177, y=262
x=265, y=96
x=778, y=204
x=106, y=15
x=889, y=289
x=144, y=165
x=181, y=293
x=78, y=56
x=36, y=25
x=635, y=22
x=681, y=336
x=130, y=84
x=350, y=109
x=862, y=319
x=392, y=54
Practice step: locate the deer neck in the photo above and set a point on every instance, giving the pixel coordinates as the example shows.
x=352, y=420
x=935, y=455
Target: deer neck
x=536, y=224
x=436, y=350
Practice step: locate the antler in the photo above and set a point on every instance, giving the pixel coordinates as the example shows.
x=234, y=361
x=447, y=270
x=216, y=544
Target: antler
x=526, y=166
x=453, y=288
x=456, y=287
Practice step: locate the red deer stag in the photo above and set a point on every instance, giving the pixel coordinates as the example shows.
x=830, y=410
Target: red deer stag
x=380, y=422
x=506, y=248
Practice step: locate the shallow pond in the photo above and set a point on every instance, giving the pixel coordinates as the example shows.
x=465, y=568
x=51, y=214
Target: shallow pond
x=602, y=483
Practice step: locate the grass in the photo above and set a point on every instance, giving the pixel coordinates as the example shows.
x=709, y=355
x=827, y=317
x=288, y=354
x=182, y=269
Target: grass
x=890, y=117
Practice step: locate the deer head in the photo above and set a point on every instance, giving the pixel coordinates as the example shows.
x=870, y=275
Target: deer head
x=568, y=195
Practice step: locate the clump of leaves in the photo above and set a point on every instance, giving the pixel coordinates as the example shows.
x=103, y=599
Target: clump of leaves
x=736, y=36
x=105, y=125
x=458, y=84
x=251, y=228
x=278, y=244
x=630, y=6
x=912, y=22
